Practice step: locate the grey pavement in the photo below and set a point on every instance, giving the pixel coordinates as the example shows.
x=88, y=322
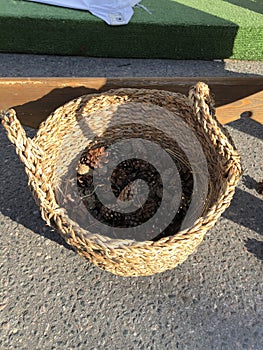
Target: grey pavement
x=22, y=65
x=53, y=299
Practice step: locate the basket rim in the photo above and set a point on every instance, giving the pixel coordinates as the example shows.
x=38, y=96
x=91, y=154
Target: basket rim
x=203, y=221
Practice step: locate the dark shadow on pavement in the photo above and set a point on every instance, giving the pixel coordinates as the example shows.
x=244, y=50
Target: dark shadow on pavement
x=246, y=210
x=16, y=201
x=248, y=126
x=249, y=182
x=255, y=247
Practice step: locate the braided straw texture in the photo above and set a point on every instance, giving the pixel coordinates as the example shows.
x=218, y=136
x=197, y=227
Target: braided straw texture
x=41, y=158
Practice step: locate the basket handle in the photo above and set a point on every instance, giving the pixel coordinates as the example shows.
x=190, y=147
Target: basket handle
x=30, y=154
x=26, y=148
x=202, y=103
x=204, y=110
x=203, y=106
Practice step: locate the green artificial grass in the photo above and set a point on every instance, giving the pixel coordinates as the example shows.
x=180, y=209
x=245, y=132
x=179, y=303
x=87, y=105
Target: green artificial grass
x=182, y=29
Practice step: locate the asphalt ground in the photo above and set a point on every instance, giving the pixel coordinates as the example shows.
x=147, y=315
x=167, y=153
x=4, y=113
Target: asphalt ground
x=53, y=299
x=21, y=65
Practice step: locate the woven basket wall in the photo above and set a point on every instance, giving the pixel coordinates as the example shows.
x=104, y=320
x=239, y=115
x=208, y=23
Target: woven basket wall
x=60, y=139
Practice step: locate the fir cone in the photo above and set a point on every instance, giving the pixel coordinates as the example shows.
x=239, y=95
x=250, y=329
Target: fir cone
x=124, y=182
x=92, y=159
x=126, y=194
x=84, y=180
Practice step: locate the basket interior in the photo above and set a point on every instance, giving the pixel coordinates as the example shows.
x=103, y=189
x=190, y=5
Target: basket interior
x=103, y=120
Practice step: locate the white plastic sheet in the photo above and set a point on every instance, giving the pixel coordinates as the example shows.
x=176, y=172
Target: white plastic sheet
x=113, y=12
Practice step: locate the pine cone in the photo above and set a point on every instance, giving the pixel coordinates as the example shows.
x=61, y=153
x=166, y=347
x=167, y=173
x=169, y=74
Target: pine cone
x=84, y=180
x=126, y=194
x=149, y=208
x=92, y=159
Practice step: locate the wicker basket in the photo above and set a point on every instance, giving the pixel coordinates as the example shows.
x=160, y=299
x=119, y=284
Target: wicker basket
x=42, y=160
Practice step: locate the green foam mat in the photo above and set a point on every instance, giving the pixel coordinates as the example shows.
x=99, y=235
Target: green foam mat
x=183, y=29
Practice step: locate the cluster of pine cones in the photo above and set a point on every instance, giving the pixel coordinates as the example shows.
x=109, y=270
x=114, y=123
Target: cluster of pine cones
x=121, y=180
x=121, y=185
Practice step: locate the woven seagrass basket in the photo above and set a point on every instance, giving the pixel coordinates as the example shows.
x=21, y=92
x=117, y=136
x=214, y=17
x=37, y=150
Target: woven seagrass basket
x=61, y=138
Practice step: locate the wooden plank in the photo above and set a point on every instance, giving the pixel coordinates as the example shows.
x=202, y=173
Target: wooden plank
x=251, y=106
x=35, y=98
